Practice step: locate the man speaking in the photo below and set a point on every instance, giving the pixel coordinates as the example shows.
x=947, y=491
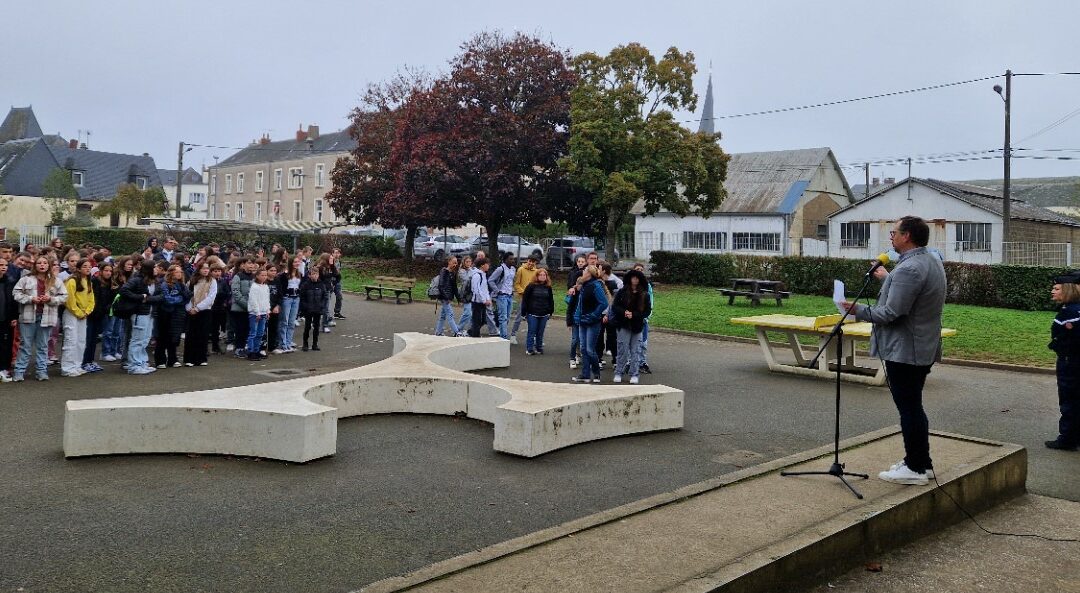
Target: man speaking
x=907, y=338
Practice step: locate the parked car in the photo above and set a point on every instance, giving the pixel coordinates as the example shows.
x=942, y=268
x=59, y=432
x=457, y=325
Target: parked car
x=563, y=250
x=520, y=247
x=437, y=247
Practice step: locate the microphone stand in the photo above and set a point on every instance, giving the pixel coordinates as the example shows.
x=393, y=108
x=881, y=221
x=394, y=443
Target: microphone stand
x=837, y=333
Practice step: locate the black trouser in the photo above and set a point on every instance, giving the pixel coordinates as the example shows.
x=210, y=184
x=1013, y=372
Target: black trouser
x=479, y=318
x=94, y=326
x=607, y=336
x=7, y=339
x=196, y=341
x=272, y=331
x=906, y=384
x=1068, y=382
x=218, y=322
x=310, y=320
x=167, y=338
x=337, y=298
x=240, y=328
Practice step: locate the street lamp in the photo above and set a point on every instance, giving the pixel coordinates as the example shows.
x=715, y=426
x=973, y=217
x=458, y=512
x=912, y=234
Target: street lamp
x=1006, y=206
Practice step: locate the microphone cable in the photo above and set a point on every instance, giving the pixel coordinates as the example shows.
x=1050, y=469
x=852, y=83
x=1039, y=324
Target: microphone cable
x=888, y=382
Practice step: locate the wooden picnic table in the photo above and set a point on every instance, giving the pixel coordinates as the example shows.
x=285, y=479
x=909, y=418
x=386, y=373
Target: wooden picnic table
x=755, y=289
x=793, y=326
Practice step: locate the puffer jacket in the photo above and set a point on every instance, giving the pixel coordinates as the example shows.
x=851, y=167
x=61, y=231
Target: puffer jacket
x=592, y=303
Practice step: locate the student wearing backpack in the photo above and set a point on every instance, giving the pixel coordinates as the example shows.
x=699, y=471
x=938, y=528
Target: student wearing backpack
x=501, y=285
x=445, y=291
x=464, y=287
x=481, y=297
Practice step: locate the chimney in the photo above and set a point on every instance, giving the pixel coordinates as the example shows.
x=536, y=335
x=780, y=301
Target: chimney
x=890, y=180
x=301, y=135
x=877, y=181
x=73, y=144
x=82, y=146
x=265, y=139
x=313, y=132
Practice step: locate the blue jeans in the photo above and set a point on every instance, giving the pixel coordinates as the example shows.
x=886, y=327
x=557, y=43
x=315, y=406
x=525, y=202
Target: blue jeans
x=446, y=318
x=629, y=346
x=505, y=304
x=575, y=339
x=290, y=306
x=466, y=317
x=141, y=328
x=590, y=362
x=534, y=341
x=645, y=343
x=33, y=339
x=112, y=336
x=256, y=330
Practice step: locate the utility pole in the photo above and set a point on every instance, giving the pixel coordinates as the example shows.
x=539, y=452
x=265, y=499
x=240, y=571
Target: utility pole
x=1006, y=206
x=179, y=175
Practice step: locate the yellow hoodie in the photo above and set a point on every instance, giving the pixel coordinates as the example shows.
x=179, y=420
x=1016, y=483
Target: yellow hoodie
x=80, y=303
x=523, y=278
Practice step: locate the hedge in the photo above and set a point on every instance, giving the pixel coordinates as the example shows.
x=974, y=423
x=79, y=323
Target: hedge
x=1012, y=287
x=133, y=240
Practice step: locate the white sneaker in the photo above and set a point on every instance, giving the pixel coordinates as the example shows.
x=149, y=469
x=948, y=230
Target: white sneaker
x=929, y=473
x=513, y=340
x=230, y=348
x=277, y=351
x=160, y=366
x=108, y=358
x=634, y=380
x=177, y=364
x=332, y=323
x=297, y=323
x=573, y=364
x=616, y=379
x=326, y=330
x=900, y=474
x=5, y=377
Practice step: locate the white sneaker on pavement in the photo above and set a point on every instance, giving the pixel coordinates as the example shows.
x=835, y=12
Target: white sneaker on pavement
x=898, y=464
x=616, y=379
x=901, y=474
x=634, y=380
x=513, y=340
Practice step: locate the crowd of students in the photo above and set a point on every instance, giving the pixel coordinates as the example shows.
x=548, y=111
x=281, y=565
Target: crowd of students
x=606, y=315
x=59, y=303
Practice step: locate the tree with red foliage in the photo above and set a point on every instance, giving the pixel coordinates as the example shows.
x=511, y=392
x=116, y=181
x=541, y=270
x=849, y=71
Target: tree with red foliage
x=501, y=125
x=393, y=176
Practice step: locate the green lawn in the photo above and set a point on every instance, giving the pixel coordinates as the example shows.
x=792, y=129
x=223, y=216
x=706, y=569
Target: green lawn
x=983, y=333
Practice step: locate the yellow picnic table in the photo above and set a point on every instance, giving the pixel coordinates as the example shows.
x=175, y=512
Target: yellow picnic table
x=793, y=326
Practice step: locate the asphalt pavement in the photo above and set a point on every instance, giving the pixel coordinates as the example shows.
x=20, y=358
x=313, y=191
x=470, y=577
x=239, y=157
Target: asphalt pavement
x=404, y=491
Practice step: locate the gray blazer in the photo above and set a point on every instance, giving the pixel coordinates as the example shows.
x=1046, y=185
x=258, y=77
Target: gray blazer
x=907, y=316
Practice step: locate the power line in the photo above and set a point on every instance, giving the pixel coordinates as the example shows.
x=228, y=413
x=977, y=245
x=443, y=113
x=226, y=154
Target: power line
x=1052, y=125
x=845, y=101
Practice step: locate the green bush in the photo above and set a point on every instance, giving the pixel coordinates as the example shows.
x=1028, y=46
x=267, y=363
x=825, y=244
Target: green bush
x=1012, y=287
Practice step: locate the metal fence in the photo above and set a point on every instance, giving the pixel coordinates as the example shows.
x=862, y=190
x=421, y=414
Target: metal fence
x=37, y=234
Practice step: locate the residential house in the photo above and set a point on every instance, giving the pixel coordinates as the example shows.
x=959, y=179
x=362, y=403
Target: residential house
x=777, y=203
x=286, y=180
x=27, y=157
x=194, y=190
x=965, y=224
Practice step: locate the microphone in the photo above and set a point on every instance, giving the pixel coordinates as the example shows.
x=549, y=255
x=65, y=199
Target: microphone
x=881, y=260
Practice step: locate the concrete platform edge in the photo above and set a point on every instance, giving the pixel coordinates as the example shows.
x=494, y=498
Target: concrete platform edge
x=1012, y=475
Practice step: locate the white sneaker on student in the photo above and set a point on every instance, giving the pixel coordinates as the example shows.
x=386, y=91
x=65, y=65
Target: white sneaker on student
x=634, y=380
x=901, y=474
x=573, y=363
x=616, y=379
x=898, y=464
x=513, y=340
x=230, y=348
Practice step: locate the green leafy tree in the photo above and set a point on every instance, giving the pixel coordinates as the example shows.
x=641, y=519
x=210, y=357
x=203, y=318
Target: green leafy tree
x=130, y=201
x=625, y=144
x=59, y=195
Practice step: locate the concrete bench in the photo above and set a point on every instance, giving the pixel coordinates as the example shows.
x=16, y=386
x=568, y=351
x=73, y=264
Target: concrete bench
x=398, y=285
x=296, y=420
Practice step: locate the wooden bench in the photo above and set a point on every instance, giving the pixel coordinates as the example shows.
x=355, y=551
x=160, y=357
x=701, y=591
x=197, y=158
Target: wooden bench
x=755, y=290
x=400, y=286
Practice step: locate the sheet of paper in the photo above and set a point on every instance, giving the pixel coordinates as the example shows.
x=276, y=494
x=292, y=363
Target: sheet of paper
x=838, y=294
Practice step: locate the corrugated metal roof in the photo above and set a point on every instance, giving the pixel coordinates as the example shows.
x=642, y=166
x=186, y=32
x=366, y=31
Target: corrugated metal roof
x=285, y=150
x=984, y=198
x=769, y=182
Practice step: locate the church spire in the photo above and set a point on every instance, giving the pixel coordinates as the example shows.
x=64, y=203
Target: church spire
x=706, y=125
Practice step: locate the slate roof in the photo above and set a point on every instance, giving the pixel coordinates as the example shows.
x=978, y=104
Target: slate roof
x=980, y=197
x=284, y=150
x=10, y=154
x=769, y=182
x=105, y=171
x=20, y=123
x=168, y=176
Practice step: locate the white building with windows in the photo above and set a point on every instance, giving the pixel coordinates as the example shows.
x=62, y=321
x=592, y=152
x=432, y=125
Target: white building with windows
x=194, y=192
x=777, y=203
x=965, y=224
x=278, y=181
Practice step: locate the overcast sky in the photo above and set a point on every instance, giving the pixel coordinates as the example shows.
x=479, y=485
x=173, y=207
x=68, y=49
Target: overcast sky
x=144, y=75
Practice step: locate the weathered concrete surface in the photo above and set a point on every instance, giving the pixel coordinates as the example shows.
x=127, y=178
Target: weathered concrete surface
x=963, y=558
x=296, y=420
x=751, y=530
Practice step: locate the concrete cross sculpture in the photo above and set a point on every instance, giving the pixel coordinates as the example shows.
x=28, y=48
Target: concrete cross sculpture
x=296, y=420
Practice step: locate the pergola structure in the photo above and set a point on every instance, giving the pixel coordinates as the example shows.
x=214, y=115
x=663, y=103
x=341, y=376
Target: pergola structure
x=226, y=228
